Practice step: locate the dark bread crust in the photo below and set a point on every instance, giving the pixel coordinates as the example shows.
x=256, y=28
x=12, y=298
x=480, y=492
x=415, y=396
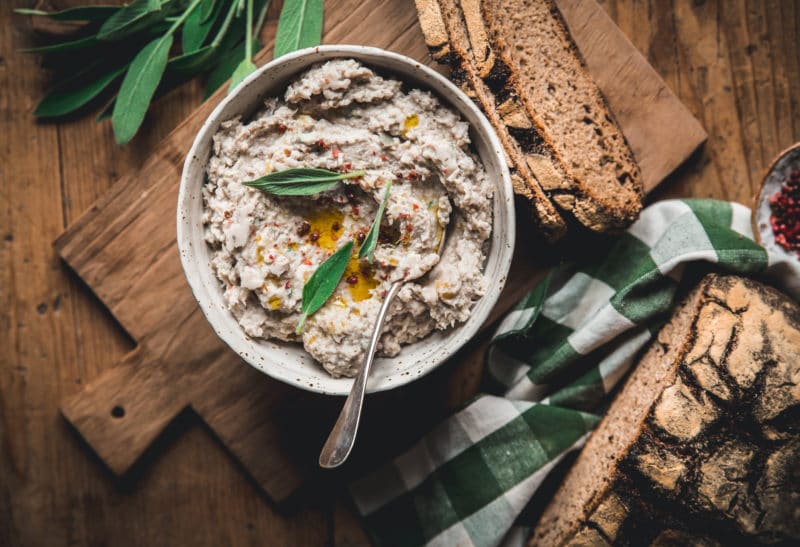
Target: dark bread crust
x=702, y=445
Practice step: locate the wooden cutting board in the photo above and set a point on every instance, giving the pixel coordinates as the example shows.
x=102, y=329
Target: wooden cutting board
x=124, y=249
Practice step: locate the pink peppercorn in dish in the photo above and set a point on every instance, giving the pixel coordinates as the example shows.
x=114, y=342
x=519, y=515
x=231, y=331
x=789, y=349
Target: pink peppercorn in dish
x=785, y=218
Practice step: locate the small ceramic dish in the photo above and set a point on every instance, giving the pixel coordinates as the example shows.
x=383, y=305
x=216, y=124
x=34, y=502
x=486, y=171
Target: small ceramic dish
x=288, y=362
x=779, y=171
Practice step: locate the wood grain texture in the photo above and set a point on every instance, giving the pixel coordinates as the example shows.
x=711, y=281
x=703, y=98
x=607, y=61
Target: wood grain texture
x=122, y=250
x=739, y=76
x=659, y=128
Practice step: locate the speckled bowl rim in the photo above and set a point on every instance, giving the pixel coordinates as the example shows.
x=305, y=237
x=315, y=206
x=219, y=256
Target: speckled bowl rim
x=289, y=363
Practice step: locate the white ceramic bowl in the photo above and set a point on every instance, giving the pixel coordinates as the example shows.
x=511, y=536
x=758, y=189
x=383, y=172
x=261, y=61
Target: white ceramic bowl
x=289, y=362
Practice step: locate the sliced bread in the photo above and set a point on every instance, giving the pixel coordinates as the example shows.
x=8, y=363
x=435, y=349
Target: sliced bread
x=582, y=141
x=495, y=71
x=446, y=38
x=702, y=444
x=580, y=161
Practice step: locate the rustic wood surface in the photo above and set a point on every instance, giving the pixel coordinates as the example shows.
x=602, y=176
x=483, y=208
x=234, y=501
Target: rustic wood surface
x=735, y=64
x=130, y=260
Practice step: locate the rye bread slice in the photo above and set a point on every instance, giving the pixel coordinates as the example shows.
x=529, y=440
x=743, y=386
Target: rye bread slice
x=499, y=78
x=531, y=148
x=702, y=444
x=447, y=41
x=569, y=112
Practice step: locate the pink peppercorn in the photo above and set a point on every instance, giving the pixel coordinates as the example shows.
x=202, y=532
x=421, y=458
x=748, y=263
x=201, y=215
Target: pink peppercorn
x=785, y=217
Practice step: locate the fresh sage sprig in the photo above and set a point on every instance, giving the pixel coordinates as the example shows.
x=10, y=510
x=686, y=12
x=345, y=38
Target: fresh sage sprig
x=70, y=97
x=322, y=283
x=367, y=249
x=300, y=181
x=134, y=58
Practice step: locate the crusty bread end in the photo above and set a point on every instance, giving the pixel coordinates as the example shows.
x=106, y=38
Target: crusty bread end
x=702, y=444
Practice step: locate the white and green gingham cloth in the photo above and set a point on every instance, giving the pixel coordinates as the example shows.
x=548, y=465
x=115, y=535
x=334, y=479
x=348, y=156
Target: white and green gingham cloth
x=552, y=362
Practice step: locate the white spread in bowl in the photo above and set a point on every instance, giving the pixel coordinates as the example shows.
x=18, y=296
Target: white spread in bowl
x=342, y=116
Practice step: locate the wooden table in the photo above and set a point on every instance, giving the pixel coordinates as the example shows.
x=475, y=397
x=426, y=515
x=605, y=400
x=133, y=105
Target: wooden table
x=734, y=63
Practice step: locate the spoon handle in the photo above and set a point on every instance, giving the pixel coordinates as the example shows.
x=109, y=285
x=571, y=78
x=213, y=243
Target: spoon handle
x=343, y=435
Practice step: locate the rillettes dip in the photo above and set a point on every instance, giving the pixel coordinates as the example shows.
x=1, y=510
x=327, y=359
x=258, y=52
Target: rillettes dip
x=342, y=116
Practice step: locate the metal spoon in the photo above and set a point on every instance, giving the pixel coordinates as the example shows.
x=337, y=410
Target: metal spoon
x=343, y=435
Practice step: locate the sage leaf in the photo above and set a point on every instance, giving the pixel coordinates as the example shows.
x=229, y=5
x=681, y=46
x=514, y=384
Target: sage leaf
x=68, y=98
x=207, y=9
x=130, y=19
x=242, y=71
x=371, y=241
x=194, y=61
x=299, y=26
x=158, y=28
x=80, y=13
x=72, y=45
x=323, y=282
x=300, y=181
x=198, y=25
x=138, y=87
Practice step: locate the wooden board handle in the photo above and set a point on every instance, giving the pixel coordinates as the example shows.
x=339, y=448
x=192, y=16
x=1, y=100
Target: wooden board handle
x=122, y=412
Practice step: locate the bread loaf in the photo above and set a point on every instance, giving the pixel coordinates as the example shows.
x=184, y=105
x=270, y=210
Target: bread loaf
x=702, y=444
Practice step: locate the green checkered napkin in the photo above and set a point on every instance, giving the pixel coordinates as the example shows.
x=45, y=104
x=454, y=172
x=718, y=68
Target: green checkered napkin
x=550, y=366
